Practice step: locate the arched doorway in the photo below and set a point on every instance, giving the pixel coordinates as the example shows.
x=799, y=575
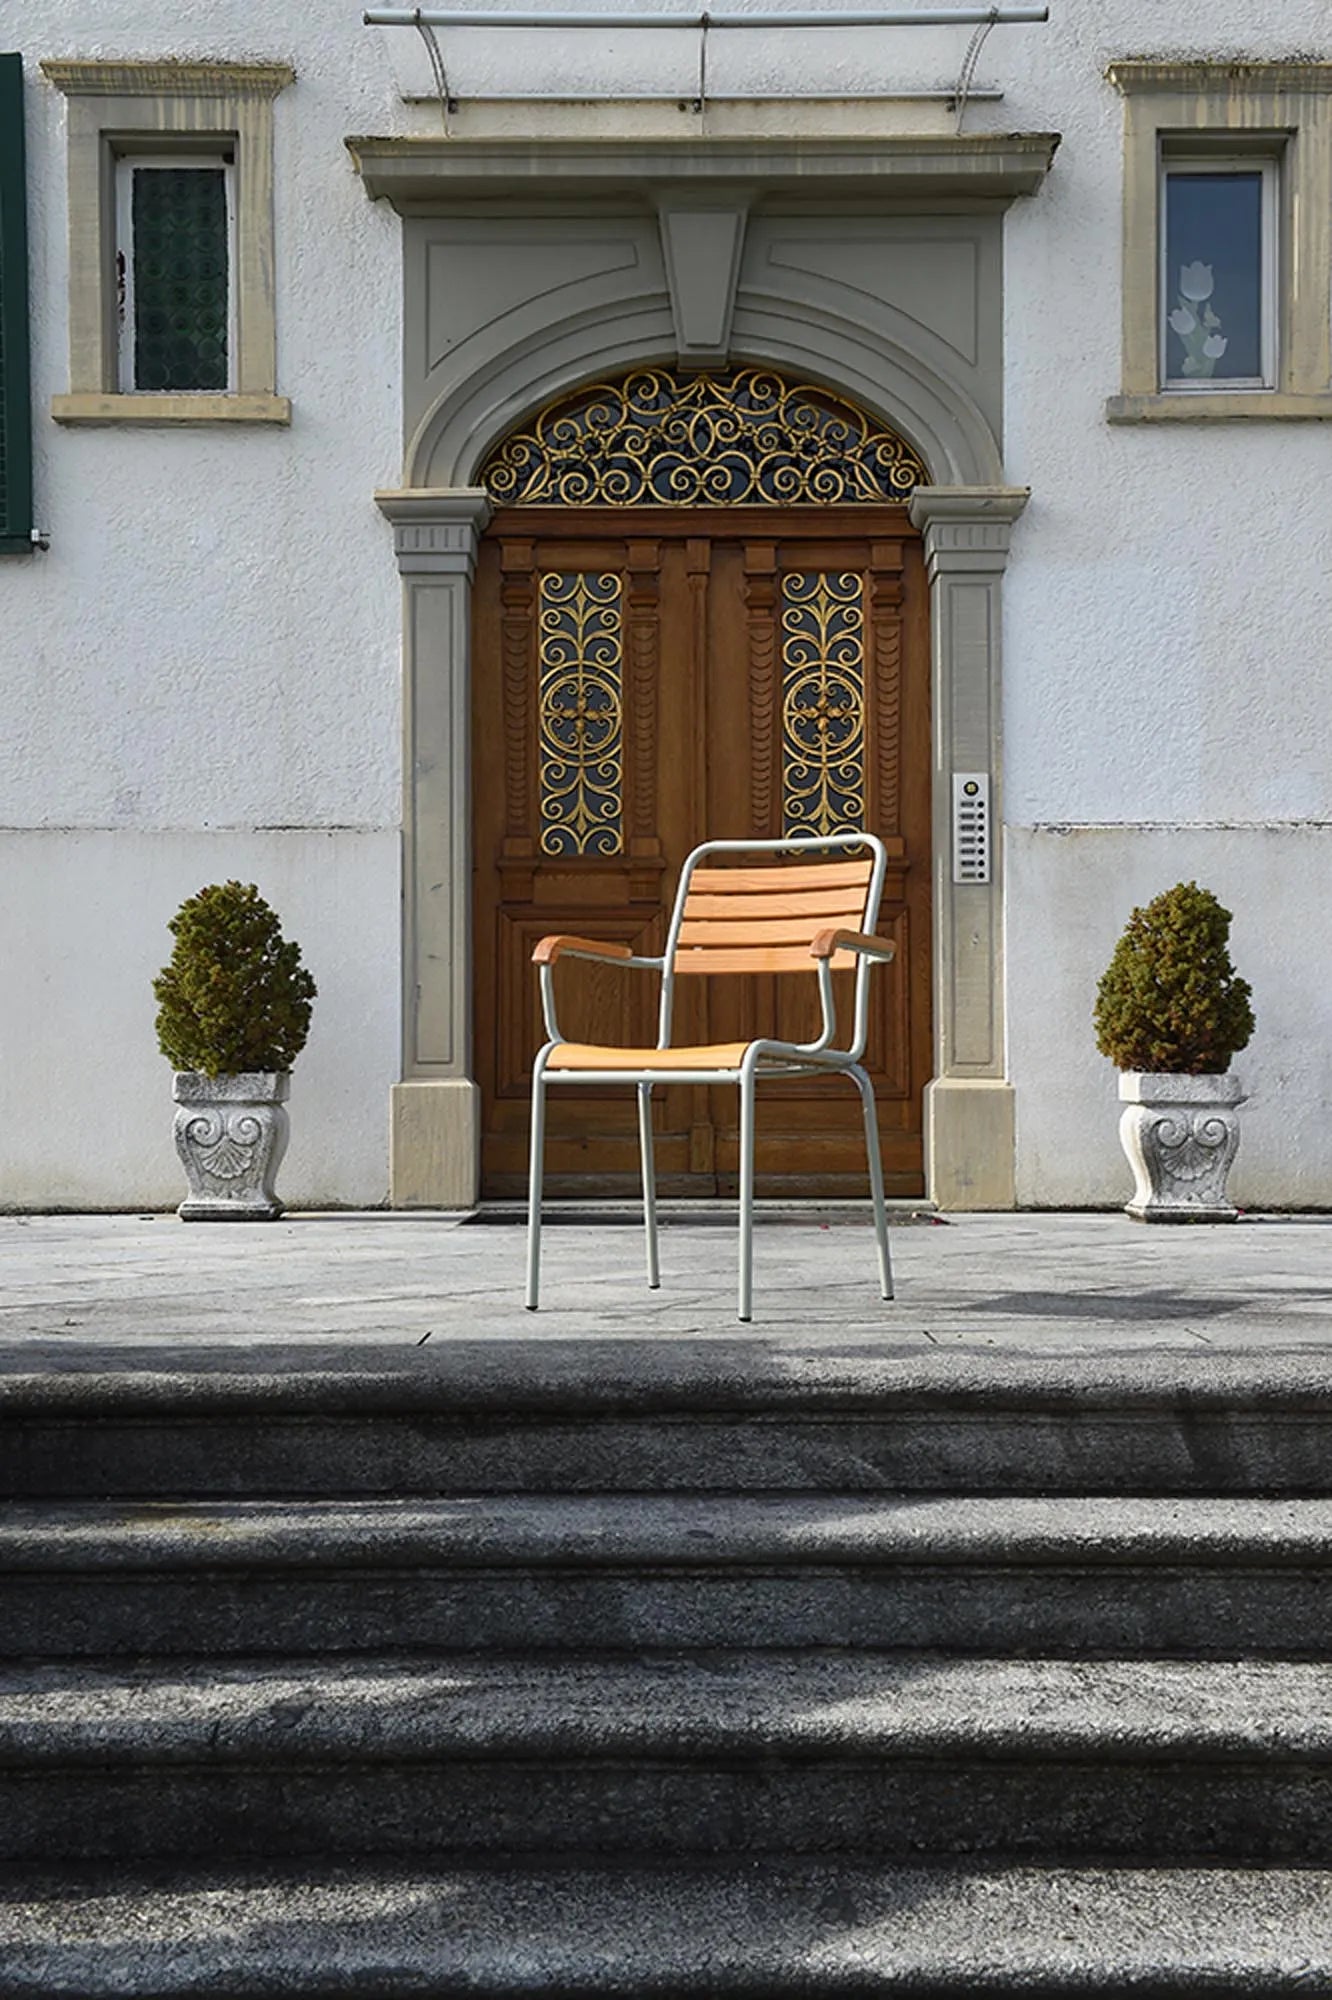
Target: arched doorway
x=700, y=609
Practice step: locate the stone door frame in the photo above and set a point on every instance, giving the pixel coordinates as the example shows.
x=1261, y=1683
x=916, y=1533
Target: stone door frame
x=692, y=308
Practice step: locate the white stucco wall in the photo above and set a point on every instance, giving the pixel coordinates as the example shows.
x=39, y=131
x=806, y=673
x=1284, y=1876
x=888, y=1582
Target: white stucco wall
x=83, y=920
x=201, y=677
x=1167, y=672
x=1070, y=891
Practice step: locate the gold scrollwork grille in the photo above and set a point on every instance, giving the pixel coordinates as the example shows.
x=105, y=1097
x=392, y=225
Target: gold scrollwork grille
x=581, y=735
x=823, y=702
x=667, y=440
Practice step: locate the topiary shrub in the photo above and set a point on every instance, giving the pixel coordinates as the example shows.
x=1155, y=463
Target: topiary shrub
x=235, y=995
x=1170, y=1000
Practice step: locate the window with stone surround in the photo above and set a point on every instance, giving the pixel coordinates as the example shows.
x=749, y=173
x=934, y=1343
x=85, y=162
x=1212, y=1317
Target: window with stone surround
x=171, y=315
x=1227, y=256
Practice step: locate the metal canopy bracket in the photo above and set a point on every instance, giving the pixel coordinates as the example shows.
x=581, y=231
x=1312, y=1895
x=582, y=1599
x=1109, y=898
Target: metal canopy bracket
x=426, y=20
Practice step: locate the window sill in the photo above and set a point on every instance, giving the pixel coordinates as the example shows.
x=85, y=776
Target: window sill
x=1274, y=405
x=98, y=407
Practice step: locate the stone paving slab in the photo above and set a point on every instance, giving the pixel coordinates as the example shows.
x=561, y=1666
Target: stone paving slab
x=81, y=1292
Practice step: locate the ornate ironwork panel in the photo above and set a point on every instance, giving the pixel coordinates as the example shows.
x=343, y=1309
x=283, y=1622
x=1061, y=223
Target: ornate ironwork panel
x=180, y=278
x=823, y=701
x=662, y=439
x=581, y=732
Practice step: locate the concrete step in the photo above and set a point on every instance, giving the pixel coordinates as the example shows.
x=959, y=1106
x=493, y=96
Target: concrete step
x=629, y=1414
x=795, y=1929
x=875, y=1756
x=1214, y=1578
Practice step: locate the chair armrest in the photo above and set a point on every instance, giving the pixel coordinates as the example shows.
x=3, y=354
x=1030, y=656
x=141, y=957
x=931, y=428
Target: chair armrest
x=551, y=948
x=828, y=943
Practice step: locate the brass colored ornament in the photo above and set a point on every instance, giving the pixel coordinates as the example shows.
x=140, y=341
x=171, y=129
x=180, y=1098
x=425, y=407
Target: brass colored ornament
x=823, y=702
x=581, y=712
x=659, y=439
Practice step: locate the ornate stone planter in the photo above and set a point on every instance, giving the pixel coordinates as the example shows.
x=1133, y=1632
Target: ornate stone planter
x=231, y=1133
x=1181, y=1134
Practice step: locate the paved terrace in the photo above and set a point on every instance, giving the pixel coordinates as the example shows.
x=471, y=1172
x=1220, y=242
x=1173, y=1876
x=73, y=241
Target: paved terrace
x=421, y=1294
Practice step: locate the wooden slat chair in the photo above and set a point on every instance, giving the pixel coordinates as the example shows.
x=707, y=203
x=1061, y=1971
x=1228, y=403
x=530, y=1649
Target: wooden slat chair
x=783, y=916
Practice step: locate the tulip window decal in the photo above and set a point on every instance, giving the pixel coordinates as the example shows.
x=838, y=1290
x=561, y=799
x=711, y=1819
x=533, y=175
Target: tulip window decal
x=1196, y=323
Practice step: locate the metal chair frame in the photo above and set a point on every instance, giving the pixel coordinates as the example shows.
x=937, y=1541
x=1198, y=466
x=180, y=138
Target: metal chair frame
x=762, y=1058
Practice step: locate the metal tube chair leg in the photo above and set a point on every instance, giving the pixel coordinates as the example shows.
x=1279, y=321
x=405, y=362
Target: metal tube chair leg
x=866, y=1089
x=535, y=1167
x=745, y=1309
x=649, y=1183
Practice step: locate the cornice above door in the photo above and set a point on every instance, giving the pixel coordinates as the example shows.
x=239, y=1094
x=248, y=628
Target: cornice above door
x=422, y=175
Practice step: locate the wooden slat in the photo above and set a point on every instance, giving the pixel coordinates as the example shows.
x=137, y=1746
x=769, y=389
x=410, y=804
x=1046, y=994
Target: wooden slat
x=800, y=903
x=586, y=1055
x=761, y=958
x=751, y=931
x=780, y=877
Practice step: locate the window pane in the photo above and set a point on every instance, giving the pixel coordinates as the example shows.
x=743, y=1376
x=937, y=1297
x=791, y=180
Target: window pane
x=180, y=278
x=1214, y=277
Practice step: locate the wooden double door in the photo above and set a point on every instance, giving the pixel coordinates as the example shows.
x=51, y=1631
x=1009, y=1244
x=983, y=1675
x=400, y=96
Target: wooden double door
x=644, y=679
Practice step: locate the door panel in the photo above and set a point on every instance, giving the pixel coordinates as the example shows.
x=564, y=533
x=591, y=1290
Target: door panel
x=647, y=679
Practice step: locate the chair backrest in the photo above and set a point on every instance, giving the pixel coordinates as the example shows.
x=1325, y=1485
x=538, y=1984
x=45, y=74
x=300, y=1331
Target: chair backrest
x=765, y=919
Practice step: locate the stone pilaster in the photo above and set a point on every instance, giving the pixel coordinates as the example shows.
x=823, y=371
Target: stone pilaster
x=969, y=1112
x=435, y=1118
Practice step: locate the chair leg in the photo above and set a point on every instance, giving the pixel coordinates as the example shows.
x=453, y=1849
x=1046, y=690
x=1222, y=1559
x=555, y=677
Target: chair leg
x=746, y=1298
x=649, y=1183
x=866, y=1089
x=534, y=1187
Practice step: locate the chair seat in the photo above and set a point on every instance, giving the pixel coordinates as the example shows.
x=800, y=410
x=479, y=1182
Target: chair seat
x=587, y=1055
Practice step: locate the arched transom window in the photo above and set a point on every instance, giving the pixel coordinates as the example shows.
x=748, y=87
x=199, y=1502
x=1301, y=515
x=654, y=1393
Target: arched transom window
x=741, y=437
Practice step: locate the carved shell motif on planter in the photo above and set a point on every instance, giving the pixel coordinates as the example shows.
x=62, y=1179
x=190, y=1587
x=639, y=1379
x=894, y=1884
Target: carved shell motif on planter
x=231, y=1133
x=1181, y=1134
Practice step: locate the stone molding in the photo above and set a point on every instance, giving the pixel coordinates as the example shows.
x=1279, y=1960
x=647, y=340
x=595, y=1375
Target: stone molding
x=167, y=79
x=413, y=173
x=970, y=1114
x=435, y=535
x=702, y=241
x=1280, y=110
x=969, y=1106
x=970, y=1139
x=115, y=107
x=1144, y=74
x=164, y=410
x=472, y=415
x=1267, y=406
x=512, y=302
x=434, y=1142
x=435, y=530
x=966, y=528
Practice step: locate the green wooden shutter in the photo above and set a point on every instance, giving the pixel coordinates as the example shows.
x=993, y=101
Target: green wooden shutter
x=15, y=391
